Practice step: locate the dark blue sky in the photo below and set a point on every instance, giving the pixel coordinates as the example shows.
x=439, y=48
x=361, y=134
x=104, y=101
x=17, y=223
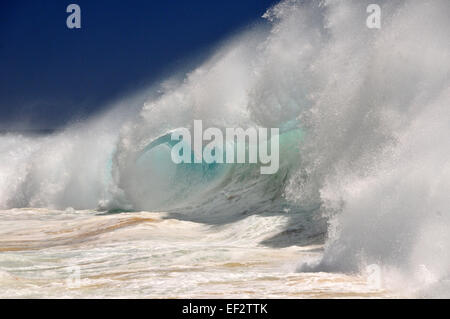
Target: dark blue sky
x=50, y=74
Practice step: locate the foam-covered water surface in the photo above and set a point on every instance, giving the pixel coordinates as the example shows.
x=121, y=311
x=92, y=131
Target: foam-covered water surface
x=146, y=255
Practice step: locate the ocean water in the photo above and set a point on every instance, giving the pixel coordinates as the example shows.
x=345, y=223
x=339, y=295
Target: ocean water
x=358, y=208
x=147, y=255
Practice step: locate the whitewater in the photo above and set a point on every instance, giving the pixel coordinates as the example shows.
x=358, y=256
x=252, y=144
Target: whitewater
x=363, y=180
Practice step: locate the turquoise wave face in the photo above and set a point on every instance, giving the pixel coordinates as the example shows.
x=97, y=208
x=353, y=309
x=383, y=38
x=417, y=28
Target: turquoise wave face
x=159, y=183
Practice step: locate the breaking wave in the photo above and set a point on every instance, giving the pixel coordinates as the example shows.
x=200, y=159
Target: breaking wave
x=372, y=158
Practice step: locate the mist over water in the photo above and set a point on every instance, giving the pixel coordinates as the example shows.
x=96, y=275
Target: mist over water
x=372, y=159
